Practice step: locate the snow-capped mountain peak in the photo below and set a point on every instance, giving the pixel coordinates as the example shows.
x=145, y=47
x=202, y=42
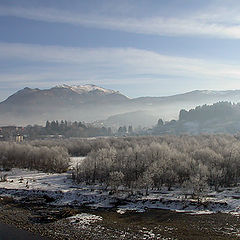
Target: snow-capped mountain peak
x=87, y=88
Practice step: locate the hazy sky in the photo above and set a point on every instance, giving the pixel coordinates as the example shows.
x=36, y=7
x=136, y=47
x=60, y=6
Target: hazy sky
x=140, y=48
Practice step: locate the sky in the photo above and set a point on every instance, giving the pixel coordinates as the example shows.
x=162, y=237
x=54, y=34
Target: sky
x=138, y=47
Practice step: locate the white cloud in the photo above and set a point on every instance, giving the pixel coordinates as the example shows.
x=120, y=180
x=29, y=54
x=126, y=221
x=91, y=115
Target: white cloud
x=218, y=23
x=115, y=65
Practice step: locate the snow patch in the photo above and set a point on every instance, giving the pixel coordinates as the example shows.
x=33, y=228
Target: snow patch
x=83, y=220
x=87, y=88
x=22, y=183
x=200, y=213
x=74, y=161
x=121, y=211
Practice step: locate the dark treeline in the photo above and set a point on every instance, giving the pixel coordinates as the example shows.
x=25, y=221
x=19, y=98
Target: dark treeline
x=76, y=129
x=65, y=129
x=191, y=162
x=221, y=117
x=45, y=158
x=220, y=110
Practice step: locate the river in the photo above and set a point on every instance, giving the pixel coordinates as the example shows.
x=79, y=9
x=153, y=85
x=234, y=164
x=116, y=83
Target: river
x=9, y=232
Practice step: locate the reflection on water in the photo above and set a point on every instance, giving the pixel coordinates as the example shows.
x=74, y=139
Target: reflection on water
x=8, y=232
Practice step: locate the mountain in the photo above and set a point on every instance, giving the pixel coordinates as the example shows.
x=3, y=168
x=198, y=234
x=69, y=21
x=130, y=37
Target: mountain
x=197, y=96
x=87, y=102
x=90, y=103
x=64, y=94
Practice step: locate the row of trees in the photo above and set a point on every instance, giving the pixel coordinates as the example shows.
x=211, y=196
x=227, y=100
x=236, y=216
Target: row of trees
x=65, y=128
x=76, y=129
x=124, y=130
x=75, y=147
x=191, y=162
x=45, y=158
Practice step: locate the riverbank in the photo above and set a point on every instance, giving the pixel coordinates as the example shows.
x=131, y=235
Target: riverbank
x=60, y=190
x=75, y=223
x=53, y=206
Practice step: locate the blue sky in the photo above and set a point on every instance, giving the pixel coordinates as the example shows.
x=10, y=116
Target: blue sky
x=141, y=48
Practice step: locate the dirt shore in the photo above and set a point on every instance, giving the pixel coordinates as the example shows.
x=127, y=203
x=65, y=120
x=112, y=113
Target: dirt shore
x=53, y=223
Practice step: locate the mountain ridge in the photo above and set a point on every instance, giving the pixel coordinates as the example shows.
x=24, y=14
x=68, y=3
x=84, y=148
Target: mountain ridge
x=91, y=103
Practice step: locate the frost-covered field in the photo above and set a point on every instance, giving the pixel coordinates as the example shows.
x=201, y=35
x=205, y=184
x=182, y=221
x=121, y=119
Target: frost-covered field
x=62, y=190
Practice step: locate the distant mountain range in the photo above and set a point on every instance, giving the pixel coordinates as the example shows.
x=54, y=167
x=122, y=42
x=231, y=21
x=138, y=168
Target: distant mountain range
x=93, y=103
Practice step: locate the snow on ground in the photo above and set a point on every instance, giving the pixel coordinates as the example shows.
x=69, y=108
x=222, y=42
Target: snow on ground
x=83, y=220
x=60, y=187
x=200, y=212
x=75, y=161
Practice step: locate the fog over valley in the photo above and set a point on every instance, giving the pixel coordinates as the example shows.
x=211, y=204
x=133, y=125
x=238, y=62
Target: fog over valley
x=94, y=104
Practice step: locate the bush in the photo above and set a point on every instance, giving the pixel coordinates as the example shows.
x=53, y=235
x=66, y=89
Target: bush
x=49, y=159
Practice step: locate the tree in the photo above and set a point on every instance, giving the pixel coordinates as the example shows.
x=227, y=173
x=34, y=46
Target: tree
x=130, y=129
x=116, y=179
x=47, y=126
x=160, y=123
x=182, y=114
x=109, y=131
x=120, y=130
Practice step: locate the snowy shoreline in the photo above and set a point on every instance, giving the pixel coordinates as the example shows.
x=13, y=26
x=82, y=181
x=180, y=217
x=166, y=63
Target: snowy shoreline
x=59, y=190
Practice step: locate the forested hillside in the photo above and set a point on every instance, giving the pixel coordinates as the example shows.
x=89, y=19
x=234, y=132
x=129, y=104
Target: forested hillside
x=221, y=117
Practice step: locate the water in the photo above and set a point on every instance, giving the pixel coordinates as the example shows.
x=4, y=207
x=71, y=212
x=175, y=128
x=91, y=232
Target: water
x=9, y=232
